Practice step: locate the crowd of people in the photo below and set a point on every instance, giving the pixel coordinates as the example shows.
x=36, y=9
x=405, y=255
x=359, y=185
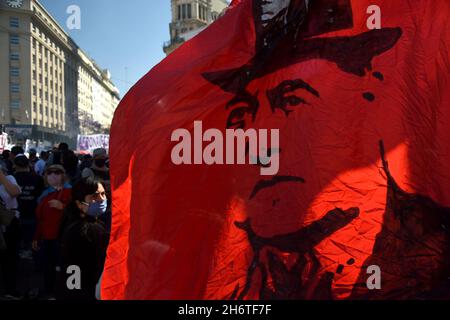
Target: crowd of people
x=55, y=214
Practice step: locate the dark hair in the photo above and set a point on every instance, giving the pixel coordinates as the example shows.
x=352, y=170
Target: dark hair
x=85, y=187
x=63, y=146
x=21, y=161
x=5, y=154
x=44, y=154
x=70, y=161
x=56, y=157
x=80, y=190
x=17, y=150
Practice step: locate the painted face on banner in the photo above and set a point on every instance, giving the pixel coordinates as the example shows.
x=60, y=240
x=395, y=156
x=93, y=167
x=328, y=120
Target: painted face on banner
x=354, y=188
x=285, y=264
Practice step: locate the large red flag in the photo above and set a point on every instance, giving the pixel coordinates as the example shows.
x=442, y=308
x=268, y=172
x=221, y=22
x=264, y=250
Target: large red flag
x=363, y=186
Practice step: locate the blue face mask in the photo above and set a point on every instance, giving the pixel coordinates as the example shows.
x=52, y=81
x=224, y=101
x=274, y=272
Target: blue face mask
x=96, y=209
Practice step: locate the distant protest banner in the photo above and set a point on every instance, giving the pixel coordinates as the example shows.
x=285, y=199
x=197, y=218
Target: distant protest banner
x=3, y=141
x=88, y=143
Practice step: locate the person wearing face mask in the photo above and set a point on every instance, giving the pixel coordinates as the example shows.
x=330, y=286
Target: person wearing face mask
x=83, y=238
x=100, y=170
x=98, y=167
x=49, y=214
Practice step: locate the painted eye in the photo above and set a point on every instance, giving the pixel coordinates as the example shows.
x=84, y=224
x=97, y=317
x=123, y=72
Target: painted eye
x=242, y=104
x=283, y=96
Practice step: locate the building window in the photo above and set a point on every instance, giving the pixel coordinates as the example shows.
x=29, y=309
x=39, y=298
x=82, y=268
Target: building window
x=34, y=107
x=13, y=22
x=15, y=88
x=15, y=104
x=184, y=11
x=46, y=111
x=14, y=57
x=40, y=93
x=34, y=59
x=14, y=71
x=13, y=39
x=40, y=109
x=34, y=74
x=34, y=91
x=203, y=12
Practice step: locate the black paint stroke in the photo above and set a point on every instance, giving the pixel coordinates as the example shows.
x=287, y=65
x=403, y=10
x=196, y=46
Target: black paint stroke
x=378, y=75
x=414, y=225
x=263, y=184
x=369, y=96
x=290, y=283
x=279, y=99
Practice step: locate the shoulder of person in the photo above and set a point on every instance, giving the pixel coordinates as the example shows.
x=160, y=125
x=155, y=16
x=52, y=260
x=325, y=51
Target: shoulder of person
x=12, y=179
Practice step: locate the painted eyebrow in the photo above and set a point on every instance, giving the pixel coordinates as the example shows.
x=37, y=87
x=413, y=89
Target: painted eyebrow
x=264, y=184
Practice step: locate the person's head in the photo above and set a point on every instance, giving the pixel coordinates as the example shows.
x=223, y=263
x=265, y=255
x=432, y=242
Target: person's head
x=21, y=163
x=100, y=157
x=63, y=146
x=56, y=157
x=89, y=197
x=55, y=176
x=16, y=150
x=32, y=153
x=69, y=160
x=5, y=154
x=44, y=155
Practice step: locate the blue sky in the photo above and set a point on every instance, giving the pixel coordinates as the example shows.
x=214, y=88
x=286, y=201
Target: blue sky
x=125, y=37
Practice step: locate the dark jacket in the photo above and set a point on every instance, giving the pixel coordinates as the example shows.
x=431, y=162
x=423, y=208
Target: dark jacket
x=83, y=244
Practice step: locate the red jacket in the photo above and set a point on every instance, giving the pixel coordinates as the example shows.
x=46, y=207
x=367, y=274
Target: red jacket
x=49, y=219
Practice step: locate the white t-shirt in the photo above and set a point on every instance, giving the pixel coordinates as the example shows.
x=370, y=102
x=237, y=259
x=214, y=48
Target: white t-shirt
x=10, y=202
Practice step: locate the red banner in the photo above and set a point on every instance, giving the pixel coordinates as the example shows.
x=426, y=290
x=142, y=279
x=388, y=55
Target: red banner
x=360, y=206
